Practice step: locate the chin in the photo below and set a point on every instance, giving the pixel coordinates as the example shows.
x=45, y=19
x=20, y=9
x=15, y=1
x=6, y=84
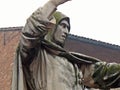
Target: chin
x=59, y=42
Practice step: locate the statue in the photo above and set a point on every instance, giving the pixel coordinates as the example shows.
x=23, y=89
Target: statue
x=42, y=63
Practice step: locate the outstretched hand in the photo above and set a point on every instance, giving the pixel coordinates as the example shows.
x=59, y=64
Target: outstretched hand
x=58, y=2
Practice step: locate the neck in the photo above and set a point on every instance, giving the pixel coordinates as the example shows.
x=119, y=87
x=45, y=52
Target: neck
x=52, y=51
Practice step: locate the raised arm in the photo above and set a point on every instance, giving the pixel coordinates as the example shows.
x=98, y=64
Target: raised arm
x=38, y=23
x=36, y=28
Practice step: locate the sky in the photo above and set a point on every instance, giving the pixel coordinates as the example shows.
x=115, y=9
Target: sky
x=94, y=19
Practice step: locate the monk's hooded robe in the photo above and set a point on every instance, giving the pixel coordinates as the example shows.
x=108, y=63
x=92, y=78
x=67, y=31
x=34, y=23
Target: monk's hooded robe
x=41, y=64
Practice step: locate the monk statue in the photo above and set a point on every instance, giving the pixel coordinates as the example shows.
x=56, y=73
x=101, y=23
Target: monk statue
x=42, y=63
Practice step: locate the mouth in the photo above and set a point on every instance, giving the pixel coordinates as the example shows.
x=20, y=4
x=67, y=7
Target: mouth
x=64, y=36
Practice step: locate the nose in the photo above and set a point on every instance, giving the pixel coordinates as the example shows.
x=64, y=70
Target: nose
x=66, y=31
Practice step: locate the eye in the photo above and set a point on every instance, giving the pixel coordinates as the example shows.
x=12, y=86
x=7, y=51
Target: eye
x=63, y=25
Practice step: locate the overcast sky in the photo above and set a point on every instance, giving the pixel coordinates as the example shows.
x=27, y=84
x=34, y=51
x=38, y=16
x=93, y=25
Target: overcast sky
x=95, y=19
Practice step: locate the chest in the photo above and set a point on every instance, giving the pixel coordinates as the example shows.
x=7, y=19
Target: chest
x=60, y=73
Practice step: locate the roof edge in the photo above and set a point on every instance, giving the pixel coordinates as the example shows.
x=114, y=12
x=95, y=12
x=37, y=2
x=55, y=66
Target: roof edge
x=93, y=41
x=11, y=28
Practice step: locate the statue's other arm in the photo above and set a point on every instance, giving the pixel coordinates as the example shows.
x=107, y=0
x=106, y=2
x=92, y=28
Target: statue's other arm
x=102, y=75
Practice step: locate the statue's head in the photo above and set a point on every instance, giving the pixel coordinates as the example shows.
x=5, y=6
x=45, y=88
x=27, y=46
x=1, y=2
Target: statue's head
x=62, y=27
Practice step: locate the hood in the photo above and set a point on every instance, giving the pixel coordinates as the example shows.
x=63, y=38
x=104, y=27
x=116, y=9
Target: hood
x=57, y=17
x=60, y=16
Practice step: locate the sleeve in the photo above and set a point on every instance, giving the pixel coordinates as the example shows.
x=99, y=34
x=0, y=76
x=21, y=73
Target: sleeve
x=102, y=75
x=36, y=27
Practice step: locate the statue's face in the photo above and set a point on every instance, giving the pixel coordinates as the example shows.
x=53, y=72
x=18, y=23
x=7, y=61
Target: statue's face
x=61, y=32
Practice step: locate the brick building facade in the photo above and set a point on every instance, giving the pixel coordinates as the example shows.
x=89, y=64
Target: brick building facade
x=9, y=38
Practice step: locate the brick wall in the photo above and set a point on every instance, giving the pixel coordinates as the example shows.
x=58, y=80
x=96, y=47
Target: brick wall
x=7, y=52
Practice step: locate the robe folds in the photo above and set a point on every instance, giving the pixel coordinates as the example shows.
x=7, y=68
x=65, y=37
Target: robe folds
x=94, y=73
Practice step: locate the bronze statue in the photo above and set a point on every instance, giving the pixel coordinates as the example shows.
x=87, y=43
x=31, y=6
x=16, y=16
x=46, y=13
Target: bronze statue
x=41, y=62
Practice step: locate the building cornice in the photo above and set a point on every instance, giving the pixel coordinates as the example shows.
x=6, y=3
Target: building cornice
x=94, y=42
